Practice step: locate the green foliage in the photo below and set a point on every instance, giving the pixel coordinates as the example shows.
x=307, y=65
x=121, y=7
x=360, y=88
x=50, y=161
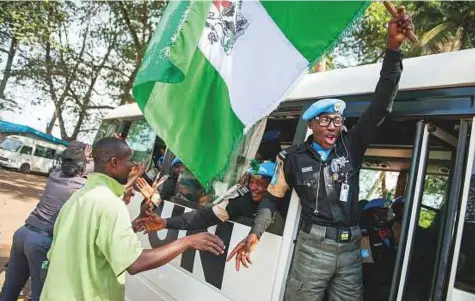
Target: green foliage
x=440, y=25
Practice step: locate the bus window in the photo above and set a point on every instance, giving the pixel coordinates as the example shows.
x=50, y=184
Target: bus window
x=107, y=129
x=40, y=151
x=12, y=145
x=50, y=153
x=140, y=139
x=26, y=150
x=432, y=198
x=377, y=184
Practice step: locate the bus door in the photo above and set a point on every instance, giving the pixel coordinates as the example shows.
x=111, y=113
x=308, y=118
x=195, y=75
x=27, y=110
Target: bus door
x=432, y=208
x=462, y=276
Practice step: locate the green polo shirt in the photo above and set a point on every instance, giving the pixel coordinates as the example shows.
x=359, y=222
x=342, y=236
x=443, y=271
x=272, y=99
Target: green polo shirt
x=93, y=245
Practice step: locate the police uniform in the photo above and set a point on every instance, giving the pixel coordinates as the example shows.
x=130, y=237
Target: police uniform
x=378, y=252
x=238, y=204
x=327, y=254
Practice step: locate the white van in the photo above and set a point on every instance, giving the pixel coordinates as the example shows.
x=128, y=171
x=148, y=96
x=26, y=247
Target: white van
x=425, y=151
x=28, y=154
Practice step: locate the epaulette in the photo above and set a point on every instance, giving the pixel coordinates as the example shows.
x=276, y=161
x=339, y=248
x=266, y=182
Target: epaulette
x=291, y=149
x=237, y=193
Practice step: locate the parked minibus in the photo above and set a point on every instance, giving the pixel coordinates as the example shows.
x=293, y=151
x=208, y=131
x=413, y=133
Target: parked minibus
x=29, y=154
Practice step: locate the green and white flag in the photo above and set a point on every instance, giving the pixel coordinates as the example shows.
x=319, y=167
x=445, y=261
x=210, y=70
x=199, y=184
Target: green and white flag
x=214, y=68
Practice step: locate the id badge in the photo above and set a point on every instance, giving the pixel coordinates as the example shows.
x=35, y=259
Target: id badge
x=345, y=188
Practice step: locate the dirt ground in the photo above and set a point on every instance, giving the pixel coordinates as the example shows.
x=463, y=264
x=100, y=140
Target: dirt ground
x=19, y=194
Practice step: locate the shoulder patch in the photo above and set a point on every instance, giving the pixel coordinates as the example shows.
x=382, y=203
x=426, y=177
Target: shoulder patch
x=291, y=149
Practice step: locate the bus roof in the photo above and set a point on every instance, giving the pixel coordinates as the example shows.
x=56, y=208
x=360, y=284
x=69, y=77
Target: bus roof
x=450, y=69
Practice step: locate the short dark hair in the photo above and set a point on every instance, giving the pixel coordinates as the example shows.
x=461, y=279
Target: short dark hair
x=107, y=148
x=73, y=161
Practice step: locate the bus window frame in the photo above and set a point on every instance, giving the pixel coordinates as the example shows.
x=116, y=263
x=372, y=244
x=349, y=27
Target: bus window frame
x=470, y=168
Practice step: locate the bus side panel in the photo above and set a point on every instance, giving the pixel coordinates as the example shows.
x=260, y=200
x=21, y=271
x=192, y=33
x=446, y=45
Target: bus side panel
x=208, y=281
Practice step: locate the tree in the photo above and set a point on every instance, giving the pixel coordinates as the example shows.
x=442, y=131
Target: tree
x=441, y=26
x=21, y=23
x=454, y=29
x=137, y=20
x=68, y=70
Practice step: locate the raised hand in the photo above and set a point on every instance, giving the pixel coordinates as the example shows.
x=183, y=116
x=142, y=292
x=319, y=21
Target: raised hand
x=397, y=28
x=146, y=190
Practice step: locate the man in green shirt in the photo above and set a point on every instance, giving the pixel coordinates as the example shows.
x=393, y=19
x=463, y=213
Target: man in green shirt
x=93, y=242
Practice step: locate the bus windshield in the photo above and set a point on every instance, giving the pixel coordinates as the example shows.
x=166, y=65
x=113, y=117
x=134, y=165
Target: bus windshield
x=11, y=145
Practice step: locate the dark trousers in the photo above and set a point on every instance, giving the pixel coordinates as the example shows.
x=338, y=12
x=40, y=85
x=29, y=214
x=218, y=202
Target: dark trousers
x=28, y=252
x=323, y=266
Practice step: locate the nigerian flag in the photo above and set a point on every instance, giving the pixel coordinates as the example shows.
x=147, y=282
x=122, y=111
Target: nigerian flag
x=214, y=68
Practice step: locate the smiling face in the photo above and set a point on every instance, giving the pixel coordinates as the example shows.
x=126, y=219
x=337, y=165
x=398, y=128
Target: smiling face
x=325, y=136
x=258, y=187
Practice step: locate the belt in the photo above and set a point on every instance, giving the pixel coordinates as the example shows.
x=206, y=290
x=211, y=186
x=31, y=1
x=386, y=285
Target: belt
x=340, y=234
x=38, y=230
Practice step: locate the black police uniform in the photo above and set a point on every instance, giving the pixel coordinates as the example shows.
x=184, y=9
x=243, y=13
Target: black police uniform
x=327, y=252
x=241, y=204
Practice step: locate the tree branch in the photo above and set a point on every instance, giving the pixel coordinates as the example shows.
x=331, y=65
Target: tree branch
x=133, y=33
x=99, y=107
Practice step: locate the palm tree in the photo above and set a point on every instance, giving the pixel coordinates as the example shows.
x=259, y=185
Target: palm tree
x=444, y=26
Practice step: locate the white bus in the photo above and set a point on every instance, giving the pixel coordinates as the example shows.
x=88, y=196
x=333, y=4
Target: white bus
x=28, y=154
x=425, y=146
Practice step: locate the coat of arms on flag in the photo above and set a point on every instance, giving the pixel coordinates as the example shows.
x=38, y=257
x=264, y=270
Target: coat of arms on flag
x=225, y=23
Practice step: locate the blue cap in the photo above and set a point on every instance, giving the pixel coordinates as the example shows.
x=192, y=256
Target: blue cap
x=399, y=200
x=377, y=203
x=328, y=105
x=270, y=135
x=266, y=169
x=176, y=161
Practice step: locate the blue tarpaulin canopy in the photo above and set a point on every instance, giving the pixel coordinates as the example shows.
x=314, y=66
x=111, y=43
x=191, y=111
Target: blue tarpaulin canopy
x=8, y=127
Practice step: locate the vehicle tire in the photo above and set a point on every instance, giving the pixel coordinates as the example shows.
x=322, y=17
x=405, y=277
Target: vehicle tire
x=25, y=168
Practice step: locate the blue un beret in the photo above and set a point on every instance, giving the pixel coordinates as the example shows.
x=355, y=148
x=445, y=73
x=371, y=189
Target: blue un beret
x=266, y=169
x=377, y=203
x=176, y=161
x=328, y=105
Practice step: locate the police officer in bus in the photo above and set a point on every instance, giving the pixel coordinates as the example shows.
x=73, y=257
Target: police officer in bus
x=378, y=249
x=324, y=171
x=241, y=203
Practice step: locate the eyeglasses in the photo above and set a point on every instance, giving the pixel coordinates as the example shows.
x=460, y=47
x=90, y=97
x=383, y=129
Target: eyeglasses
x=325, y=121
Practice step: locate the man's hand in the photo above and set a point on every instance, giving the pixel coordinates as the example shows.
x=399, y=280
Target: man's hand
x=150, y=223
x=397, y=28
x=243, y=251
x=206, y=242
x=88, y=152
x=146, y=190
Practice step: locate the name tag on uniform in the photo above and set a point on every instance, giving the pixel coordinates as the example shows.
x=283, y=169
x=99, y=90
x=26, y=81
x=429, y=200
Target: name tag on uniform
x=345, y=188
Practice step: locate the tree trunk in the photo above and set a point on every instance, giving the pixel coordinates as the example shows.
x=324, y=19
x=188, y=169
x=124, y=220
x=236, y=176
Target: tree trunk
x=8, y=66
x=50, y=126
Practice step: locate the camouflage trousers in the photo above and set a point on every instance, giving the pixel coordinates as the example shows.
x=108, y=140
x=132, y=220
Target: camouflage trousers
x=323, y=266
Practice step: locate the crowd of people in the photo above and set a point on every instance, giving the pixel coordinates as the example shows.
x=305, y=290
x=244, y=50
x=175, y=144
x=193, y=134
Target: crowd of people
x=79, y=241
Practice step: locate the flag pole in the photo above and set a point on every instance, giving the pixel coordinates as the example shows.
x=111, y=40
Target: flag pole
x=393, y=11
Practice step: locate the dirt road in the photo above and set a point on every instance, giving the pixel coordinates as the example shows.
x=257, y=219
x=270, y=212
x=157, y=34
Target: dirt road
x=19, y=194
